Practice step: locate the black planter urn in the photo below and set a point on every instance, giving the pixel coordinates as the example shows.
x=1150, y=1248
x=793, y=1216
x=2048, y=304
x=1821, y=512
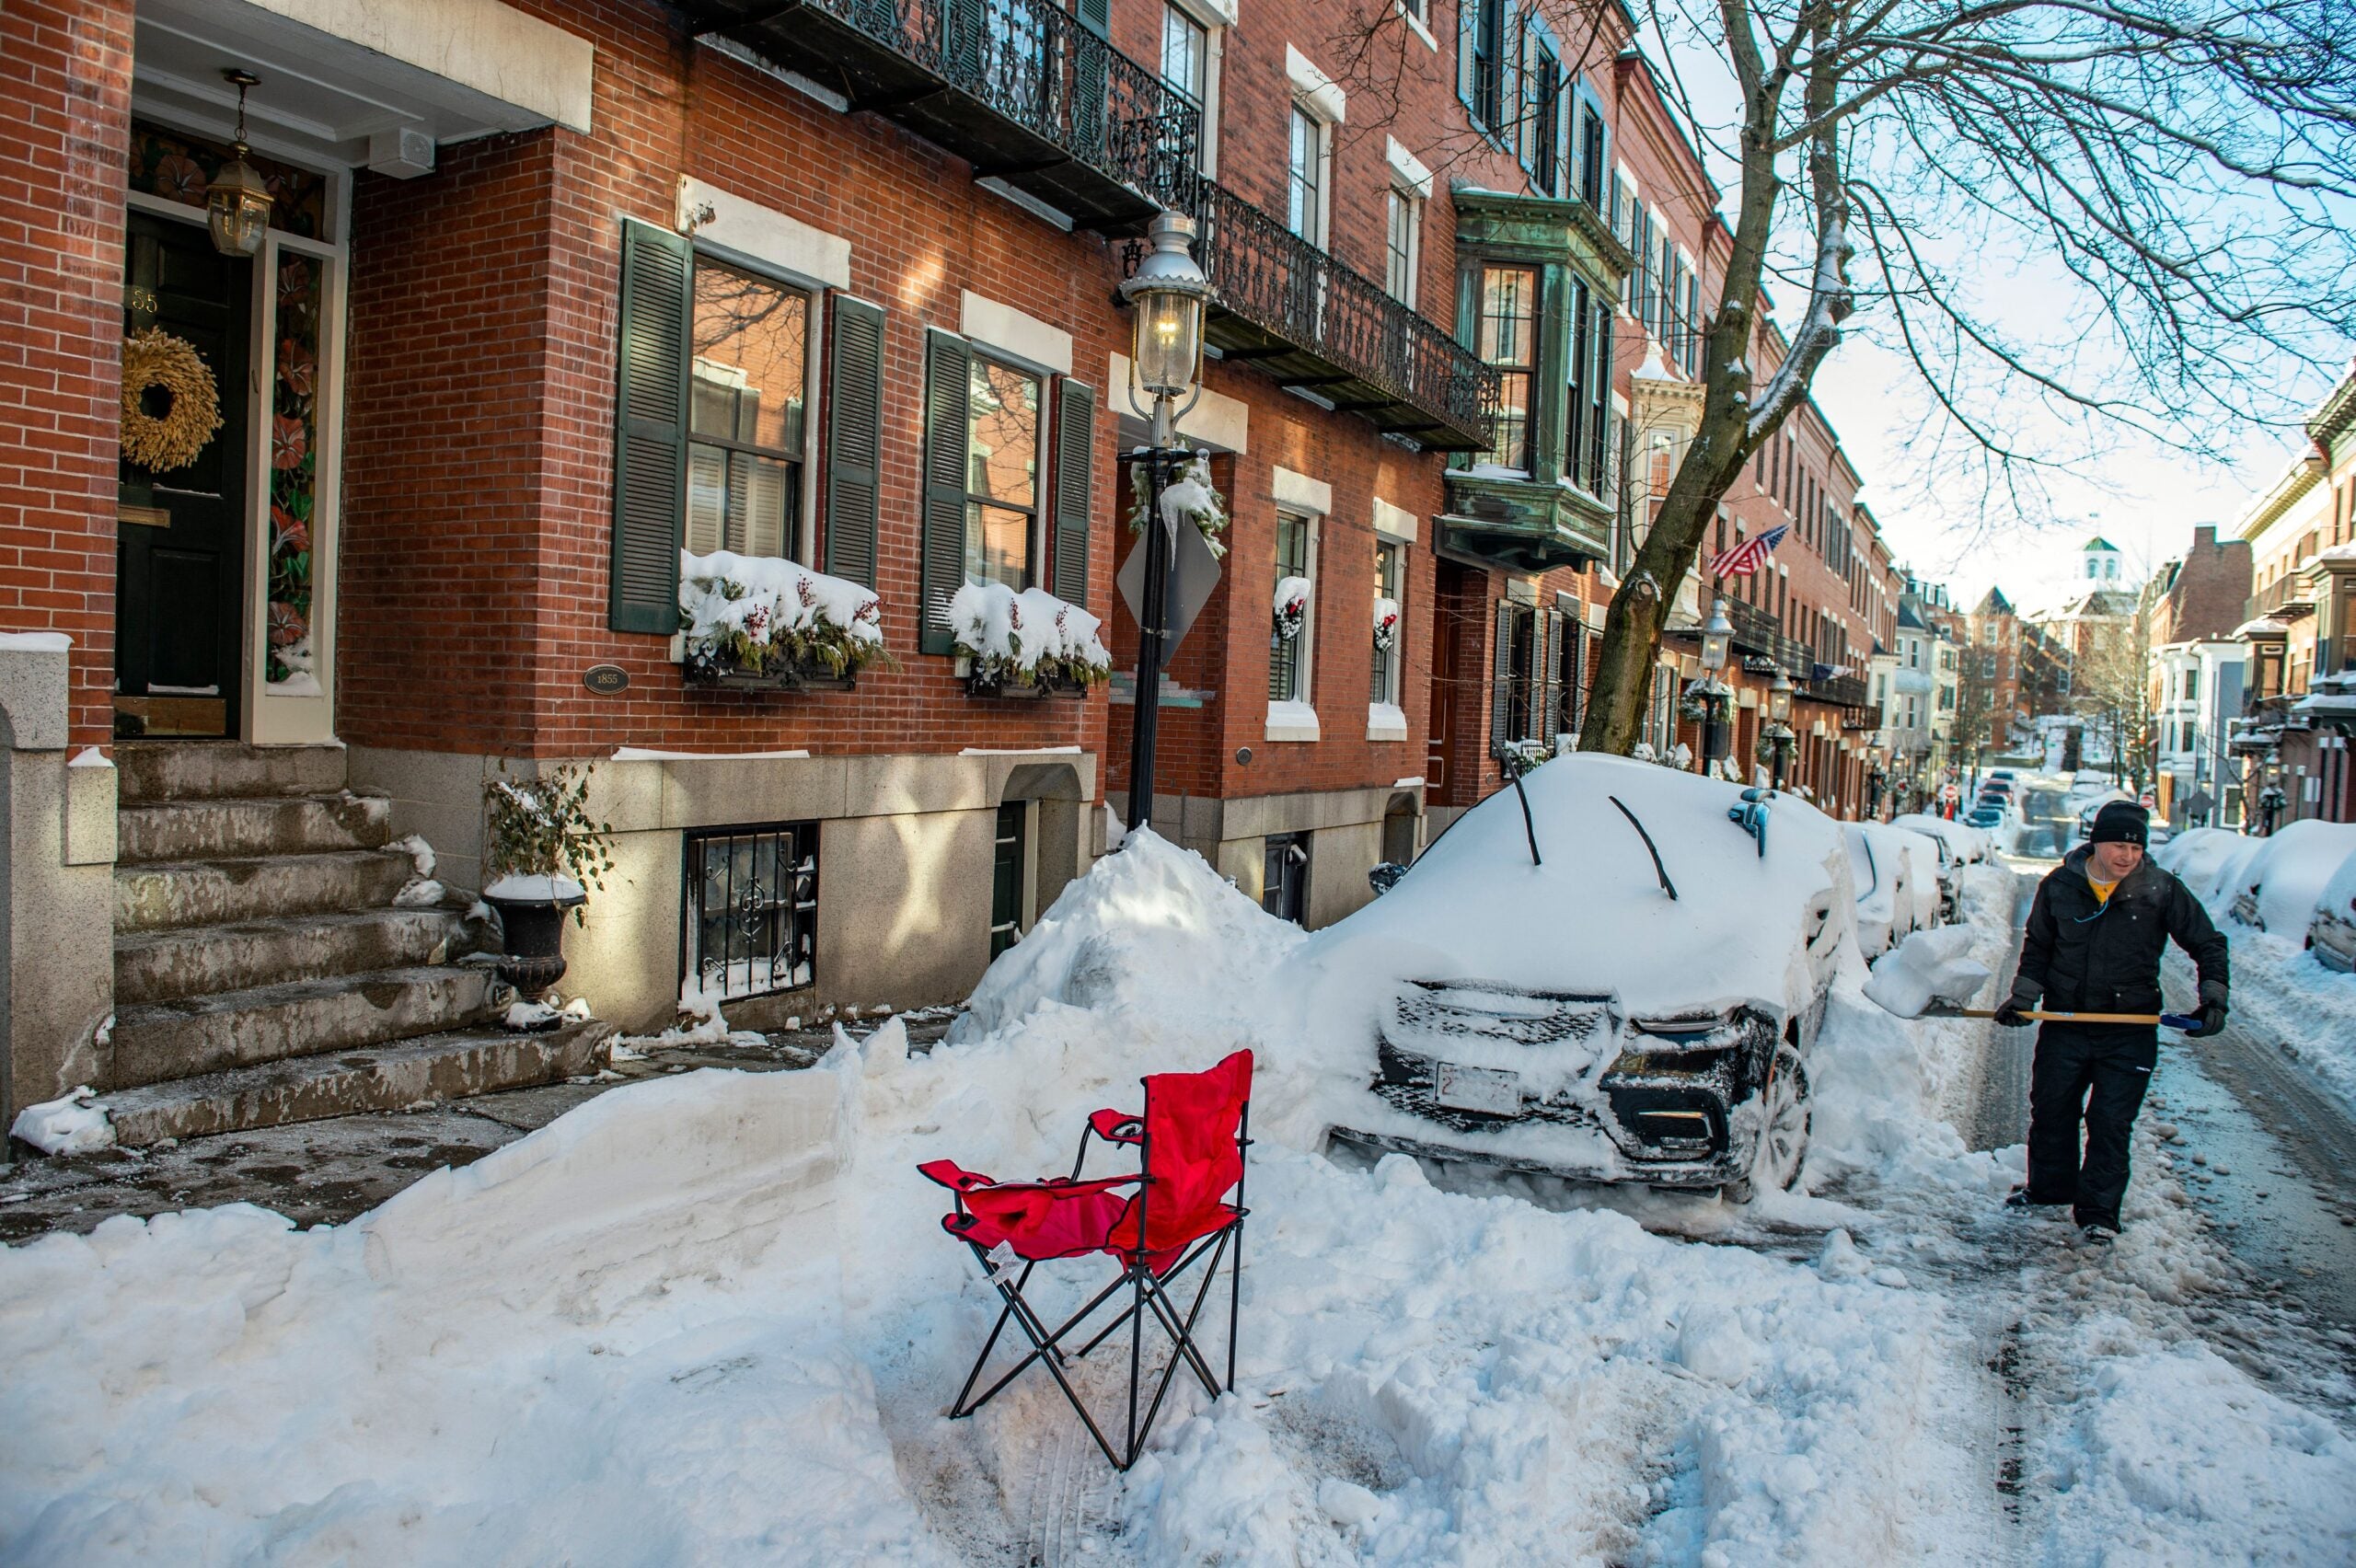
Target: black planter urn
x=532, y=956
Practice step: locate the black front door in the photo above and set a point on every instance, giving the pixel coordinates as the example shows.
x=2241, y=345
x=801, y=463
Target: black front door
x=180, y=538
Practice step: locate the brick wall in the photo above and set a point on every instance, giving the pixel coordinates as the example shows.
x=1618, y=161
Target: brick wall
x=65, y=75
x=2211, y=594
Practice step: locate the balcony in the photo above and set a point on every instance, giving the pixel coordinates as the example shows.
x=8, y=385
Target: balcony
x=1756, y=633
x=2284, y=600
x=1294, y=313
x=1018, y=88
x=1841, y=691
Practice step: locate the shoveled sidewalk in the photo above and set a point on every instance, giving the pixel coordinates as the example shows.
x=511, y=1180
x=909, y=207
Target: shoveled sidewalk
x=329, y=1172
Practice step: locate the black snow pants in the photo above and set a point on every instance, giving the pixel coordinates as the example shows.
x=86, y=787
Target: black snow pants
x=2094, y=1073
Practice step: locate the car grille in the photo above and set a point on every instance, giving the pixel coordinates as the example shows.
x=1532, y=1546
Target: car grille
x=1431, y=1017
x=1432, y=1012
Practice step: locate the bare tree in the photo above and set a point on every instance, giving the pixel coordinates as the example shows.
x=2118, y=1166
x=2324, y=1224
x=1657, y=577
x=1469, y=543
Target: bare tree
x=2111, y=685
x=2183, y=170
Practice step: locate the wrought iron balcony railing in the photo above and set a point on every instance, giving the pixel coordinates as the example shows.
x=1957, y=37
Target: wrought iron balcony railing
x=1845, y=691
x=1296, y=313
x=2288, y=593
x=1756, y=633
x=1019, y=88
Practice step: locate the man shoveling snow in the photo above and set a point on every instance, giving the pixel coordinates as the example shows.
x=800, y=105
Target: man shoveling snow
x=2095, y=939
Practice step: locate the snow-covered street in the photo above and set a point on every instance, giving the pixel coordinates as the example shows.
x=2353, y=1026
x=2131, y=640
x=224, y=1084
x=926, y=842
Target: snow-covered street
x=712, y=1319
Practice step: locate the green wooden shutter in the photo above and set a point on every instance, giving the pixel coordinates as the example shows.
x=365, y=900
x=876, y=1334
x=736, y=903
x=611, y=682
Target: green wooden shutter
x=1501, y=679
x=1095, y=15
x=1550, y=687
x=1075, y=487
x=1468, y=18
x=940, y=553
x=650, y=429
x=854, y=439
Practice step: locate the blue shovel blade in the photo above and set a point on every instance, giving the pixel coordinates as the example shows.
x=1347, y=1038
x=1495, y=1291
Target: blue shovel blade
x=2180, y=1020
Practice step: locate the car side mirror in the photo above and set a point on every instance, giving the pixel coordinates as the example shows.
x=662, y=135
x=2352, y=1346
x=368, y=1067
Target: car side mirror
x=1385, y=877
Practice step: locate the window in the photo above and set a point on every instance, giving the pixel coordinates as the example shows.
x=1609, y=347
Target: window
x=1186, y=53
x=1508, y=340
x=1542, y=112
x=1402, y=245
x=1518, y=625
x=1003, y=425
x=1384, y=687
x=1284, y=879
x=750, y=925
x=748, y=376
x=1480, y=61
x=2192, y=684
x=1010, y=863
x=1568, y=651
x=1305, y=177
x=1288, y=656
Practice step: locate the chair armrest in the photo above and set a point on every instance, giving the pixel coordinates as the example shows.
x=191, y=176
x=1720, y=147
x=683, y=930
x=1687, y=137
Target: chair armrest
x=1117, y=1127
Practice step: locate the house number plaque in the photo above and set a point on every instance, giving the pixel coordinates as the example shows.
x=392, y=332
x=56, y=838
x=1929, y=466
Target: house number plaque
x=605, y=679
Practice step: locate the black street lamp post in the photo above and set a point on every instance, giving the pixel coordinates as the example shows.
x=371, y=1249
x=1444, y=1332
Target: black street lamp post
x=1169, y=292
x=1779, y=723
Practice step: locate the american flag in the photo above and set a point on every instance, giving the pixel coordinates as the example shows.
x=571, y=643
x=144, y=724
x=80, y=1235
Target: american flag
x=1747, y=556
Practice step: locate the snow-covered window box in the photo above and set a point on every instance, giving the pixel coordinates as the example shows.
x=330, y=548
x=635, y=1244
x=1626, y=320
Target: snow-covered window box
x=774, y=625
x=1026, y=644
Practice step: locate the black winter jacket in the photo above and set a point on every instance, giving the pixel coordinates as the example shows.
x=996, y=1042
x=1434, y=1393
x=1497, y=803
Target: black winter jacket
x=2083, y=955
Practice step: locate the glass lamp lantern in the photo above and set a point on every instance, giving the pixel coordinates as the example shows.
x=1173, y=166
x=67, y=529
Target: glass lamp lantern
x=238, y=201
x=1169, y=292
x=1717, y=637
x=1779, y=698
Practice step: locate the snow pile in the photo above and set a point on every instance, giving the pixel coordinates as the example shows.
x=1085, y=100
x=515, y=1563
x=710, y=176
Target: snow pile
x=2285, y=875
x=757, y=613
x=1153, y=925
x=75, y=1123
x=2199, y=856
x=1026, y=636
x=1964, y=841
x=703, y=1026
x=1929, y=967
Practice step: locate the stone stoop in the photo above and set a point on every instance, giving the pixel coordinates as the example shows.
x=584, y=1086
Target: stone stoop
x=264, y=971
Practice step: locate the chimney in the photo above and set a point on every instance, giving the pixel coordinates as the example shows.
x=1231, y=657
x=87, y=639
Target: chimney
x=2205, y=537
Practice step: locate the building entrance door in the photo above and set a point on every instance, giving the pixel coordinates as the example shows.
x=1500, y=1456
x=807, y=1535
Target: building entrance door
x=1448, y=634
x=180, y=540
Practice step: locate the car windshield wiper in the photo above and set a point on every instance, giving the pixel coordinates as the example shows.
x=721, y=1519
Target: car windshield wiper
x=1658, y=870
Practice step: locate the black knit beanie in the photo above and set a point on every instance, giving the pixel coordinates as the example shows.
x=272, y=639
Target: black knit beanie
x=2121, y=822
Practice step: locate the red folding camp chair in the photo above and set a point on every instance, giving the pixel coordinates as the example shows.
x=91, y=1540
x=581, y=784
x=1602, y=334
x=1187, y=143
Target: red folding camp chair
x=1190, y=1145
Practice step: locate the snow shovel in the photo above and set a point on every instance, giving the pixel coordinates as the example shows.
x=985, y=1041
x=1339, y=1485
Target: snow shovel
x=2167, y=1020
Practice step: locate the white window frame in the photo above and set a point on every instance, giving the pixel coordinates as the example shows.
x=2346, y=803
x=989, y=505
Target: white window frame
x=1214, y=23
x=1311, y=502
x=1041, y=457
x=1321, y=133
x=1394, y=526
x=1403, y=200
x=802, y=547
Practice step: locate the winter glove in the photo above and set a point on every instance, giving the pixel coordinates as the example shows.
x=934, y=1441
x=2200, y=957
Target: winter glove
x=2212, y=1022
x=2008, y=1013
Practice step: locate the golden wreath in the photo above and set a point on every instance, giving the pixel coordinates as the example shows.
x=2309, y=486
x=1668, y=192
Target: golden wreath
x=155, y=358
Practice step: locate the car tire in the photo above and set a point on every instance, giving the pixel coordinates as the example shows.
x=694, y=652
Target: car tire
x=1782, y=1147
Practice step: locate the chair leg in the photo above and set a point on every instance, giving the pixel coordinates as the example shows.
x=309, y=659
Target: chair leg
x=1044, y=1344
x=1182, y=1335
x=1234, y=1297
x=1136, y=1350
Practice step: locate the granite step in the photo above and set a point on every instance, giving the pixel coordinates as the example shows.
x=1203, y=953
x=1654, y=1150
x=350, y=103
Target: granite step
x=160, y=1040
x=147, y=771
x=456, y=1065
x=164, y=895
x=239, y=826
x=192, y=961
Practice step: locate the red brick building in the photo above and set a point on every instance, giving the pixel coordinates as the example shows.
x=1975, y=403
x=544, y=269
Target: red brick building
x=561, y=302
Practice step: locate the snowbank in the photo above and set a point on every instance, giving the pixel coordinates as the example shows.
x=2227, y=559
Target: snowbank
x=75, y=1123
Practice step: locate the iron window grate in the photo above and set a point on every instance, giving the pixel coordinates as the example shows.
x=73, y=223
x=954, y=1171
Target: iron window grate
x=748, y=925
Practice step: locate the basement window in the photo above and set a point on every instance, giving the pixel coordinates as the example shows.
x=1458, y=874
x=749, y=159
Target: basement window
x=749, y=922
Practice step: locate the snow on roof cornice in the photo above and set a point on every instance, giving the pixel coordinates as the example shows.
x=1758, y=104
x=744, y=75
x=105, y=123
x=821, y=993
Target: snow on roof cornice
x=2297, y=478
x=2264, y=626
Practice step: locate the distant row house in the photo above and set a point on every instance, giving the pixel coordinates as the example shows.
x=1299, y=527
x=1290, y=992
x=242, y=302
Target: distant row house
x=406, y=399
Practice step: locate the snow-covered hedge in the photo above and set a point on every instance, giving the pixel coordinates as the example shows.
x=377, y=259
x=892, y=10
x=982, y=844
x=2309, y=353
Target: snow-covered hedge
x=761, y=615
x=1027, y=637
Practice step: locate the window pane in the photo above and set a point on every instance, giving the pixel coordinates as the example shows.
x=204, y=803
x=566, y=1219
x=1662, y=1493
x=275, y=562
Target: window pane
x=1508, y=313
x=1512, y=450
x=1304, y=175
x=998, y=546
x=1400, y=277
x=707, y=498
x=1003, y=445
x=751, y=364
x=1184, y=48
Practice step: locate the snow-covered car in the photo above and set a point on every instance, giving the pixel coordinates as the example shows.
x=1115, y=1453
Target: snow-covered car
x=2197, y=855
x=1634, y=1001
x=1963, y=841
x=1934, y=880
x=2332, y=933
x=1884, y=879
x=2277, y=888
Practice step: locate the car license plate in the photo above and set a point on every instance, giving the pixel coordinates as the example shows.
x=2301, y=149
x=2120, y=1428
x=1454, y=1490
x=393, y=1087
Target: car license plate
x=1476, y=1088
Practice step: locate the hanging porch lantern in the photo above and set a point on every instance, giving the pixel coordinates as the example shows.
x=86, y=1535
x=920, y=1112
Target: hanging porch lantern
x=236, y=204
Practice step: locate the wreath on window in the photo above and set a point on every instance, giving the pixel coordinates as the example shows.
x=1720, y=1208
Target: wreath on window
x=1386, y=623
x=155, y=360
x=1190, y=496
x=1291, y=606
